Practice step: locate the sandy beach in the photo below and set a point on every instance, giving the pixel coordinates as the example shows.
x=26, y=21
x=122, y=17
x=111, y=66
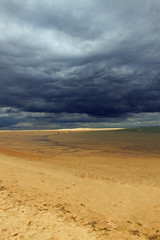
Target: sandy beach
x=79, y=185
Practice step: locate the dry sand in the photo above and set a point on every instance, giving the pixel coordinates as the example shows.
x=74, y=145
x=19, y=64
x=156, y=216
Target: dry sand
x=61, y=188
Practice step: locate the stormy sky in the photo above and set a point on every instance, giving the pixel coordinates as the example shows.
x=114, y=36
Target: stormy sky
x=88, y=63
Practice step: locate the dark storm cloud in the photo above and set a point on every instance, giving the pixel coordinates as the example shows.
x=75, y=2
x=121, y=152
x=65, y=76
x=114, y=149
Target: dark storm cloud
x=95, y=59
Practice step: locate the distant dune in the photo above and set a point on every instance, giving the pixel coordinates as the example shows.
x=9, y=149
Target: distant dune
x=68, y=129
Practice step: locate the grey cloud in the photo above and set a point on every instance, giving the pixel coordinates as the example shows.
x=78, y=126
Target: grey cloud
x=98, y=58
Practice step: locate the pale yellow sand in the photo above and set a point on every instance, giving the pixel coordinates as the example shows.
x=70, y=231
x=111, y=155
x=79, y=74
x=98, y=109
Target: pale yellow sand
x=76, y=195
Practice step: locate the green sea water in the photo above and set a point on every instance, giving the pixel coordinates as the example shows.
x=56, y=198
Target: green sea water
x=140, y=140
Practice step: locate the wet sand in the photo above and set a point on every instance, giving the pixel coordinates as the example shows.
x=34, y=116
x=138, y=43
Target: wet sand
x=80, y=185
